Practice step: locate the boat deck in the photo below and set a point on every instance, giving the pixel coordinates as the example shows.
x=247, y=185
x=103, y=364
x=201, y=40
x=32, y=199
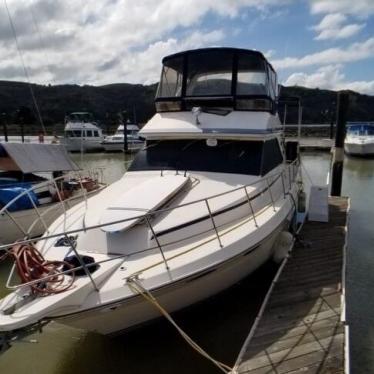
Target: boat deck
x=301, y=329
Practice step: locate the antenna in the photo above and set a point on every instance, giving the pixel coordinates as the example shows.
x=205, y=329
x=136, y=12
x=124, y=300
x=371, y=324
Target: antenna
x=24, y=66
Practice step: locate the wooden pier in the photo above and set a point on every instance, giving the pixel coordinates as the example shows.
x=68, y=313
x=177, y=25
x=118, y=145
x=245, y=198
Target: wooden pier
x=314, y=143
x=300, y=327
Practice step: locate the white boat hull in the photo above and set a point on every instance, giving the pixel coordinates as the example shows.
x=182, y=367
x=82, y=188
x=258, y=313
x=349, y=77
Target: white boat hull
x=85, y=145
x=118, y=317
x=360, y=148
x=119, y=147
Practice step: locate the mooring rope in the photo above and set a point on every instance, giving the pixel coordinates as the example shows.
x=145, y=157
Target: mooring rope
x=137, y=288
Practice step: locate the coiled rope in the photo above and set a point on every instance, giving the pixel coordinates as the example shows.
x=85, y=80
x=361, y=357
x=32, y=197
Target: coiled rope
x=137, y=288
x=31, y=266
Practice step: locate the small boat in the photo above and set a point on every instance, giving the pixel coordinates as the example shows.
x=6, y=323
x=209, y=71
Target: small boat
x=209, y=199
x=116, y=142
x=33, y=180
x=359, y=140
x=82, y=133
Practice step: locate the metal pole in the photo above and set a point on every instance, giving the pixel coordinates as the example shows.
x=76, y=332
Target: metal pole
x=125, y=144
x=5, y=127
x=338, y=152
x=157, y=241
x=299, y=120
x=22, y=131
x=214, y=224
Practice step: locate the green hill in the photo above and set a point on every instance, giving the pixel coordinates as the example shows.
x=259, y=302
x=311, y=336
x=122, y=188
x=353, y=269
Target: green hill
x=105, y=102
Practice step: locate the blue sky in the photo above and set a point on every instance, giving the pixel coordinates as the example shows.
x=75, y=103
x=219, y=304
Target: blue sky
x=314, y=43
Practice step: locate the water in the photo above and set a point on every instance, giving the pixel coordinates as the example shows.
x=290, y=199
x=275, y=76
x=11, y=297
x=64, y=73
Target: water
x=219, y=324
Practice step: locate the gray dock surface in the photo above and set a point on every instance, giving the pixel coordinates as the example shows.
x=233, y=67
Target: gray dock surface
x=301, y=330
x=314, y=143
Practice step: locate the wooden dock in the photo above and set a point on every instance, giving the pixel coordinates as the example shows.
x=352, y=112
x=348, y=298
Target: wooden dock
x=314, y=143
x=300, y=326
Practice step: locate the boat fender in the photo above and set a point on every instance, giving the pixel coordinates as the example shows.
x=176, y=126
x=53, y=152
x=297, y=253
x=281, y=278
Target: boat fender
x=301, y=202
x=282, y=246
x=74, y=261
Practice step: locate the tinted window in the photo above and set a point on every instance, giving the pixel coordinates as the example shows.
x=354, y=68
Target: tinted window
x=171, y=78
x=88, y=133
x=96, y=133
x=251, y=76
x=209, y=73
x=272, y=156
x=238, y=157
x=73, y=133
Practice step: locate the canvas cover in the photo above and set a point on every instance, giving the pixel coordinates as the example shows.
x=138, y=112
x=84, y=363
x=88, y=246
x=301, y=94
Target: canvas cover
x=32, y=158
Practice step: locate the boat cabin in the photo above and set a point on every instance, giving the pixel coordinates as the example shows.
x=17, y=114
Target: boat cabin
x=81, y=125
x=236, y=79
x=360, y=128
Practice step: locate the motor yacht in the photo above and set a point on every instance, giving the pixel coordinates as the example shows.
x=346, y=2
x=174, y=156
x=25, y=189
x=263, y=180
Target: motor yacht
x=117, y=142
x=204, y=203
x=82, y=133
x=359, y=140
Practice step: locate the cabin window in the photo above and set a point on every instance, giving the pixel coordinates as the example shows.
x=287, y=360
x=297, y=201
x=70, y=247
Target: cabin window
x=96, y=133
x=251, y=76
x=209, y=73
x=228, y=156
x=88, y=133
x=73, y=133
x=272, y=156
x=171, y=78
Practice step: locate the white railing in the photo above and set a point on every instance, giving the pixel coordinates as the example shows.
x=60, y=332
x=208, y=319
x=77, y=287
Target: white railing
x=95, y=175
x=287, y=178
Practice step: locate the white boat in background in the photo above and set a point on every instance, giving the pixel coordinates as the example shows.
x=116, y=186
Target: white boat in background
x=33, y=180
x=82, y=133
x=116, y=142
x=359, y=140
x=207, y=201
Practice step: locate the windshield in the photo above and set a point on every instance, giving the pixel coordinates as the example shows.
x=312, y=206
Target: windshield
x=209, y=73
x=80, y=117
x=360, y=130
x=228, y=156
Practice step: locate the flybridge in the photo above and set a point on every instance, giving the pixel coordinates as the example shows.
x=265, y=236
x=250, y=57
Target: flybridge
x=225, y=78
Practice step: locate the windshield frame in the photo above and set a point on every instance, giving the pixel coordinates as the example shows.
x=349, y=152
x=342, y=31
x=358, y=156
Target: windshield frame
x=236, y=59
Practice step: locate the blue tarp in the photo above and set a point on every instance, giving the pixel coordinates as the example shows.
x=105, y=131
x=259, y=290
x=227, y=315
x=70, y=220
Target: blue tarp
x=9, y=193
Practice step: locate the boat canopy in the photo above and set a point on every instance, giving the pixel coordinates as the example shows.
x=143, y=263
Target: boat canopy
x=238, y=79
x=31, y=158
x=84, y=117
x=360, y=128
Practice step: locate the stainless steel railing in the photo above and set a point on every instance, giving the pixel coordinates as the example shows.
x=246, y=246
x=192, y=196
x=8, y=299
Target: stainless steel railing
x=287, y=176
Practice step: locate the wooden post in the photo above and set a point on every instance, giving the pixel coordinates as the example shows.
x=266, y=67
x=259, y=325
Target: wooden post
x=5, y=127
x=332, y=121
x=338, y=152
x=22, y=131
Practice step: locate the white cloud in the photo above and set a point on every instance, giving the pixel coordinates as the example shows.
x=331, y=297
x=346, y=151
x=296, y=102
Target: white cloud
x=332, y=27
x=107, y=41
x=329, y=77
x=361, y=8
x=354, y=52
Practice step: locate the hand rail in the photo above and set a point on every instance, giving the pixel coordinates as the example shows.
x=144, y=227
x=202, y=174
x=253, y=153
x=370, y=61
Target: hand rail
x=40, y=215
x=141, y=216
x=147, y=219
x=213, y=223
x=86, y=266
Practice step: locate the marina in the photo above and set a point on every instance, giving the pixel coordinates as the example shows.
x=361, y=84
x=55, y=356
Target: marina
x=186, y=188
x=220, y=324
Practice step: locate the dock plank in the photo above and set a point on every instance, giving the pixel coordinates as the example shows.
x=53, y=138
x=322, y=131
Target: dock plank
x=301, y=330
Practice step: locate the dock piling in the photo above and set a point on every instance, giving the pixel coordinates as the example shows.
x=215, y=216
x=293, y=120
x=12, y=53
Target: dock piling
x=338, y=152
